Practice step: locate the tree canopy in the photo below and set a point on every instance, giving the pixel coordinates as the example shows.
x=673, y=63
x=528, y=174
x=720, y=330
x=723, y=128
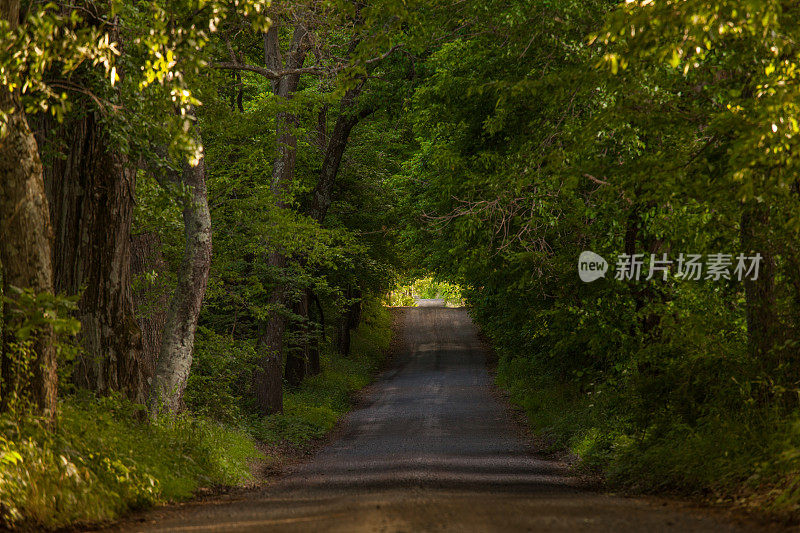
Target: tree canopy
x=200, y=203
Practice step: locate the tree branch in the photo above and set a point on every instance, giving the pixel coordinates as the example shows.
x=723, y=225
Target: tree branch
x=269, y=73
x=276, y=74
x=595, y=180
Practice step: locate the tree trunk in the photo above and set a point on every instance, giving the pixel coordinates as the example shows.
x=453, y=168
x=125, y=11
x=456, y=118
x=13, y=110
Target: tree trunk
x=322, y=196
x=313, y=364
x=760, y=313
x=91, y=204
x=347, y=119
x=343, y=335
x=151, y=299
x=268, y=383
x=349, y=320
x=297, y=352
x=268, y=376
x=355, y=317
x=271, y=401
x=177, y=345
x=25, y=248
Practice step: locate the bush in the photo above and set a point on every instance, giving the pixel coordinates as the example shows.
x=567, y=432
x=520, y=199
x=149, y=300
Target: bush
x=221, y=376
x=682, y=411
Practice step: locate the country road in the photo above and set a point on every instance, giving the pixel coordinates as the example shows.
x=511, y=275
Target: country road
x=431, y=448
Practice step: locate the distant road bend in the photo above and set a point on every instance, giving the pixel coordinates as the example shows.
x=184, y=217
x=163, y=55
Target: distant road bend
x=431, y=449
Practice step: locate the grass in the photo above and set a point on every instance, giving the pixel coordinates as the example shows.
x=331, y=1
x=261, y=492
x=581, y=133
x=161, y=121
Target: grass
x=103, y=460
x=747, y=456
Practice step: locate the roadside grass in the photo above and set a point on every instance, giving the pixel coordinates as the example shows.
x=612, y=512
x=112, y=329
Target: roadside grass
x=749, y=457
x=104, y=458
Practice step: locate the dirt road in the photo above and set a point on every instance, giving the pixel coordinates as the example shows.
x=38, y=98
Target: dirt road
x=431, y=449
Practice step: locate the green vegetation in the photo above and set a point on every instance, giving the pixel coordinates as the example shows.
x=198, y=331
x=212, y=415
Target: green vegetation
x=735, y=454
x=653, y=127
x=425, y=288
x=201, y=220
x=217, y=259
x=311, y=410
x=104, y=459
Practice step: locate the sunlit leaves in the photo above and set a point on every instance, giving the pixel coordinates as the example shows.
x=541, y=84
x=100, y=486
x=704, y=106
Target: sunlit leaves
x=60, y=53
x=743, y=56
x=46, y=41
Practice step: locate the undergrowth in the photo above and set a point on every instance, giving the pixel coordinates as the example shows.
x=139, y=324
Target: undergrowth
x=104, y=458
x=748, y=456
x=313, y=409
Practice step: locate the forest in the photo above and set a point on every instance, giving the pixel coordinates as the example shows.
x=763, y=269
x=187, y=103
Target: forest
x=209, y=208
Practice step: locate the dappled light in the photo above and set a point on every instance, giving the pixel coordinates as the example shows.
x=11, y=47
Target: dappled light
x=399, y=265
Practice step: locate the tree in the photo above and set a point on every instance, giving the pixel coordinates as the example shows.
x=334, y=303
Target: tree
x=26, y=244
x=91, y=189
x=268, y=383
x=25, y=248
x=91, y=202
x=736, y=58
x=175, y=358
x=284, y=69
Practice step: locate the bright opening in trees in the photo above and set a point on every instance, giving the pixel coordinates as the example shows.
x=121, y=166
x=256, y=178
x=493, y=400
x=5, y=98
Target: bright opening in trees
x=409, y=295
x=206, y=206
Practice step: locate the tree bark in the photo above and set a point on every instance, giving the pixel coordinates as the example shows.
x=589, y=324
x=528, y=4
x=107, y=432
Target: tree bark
x=25, y=247
x=91, y=195
x=268, y=376
x=177, y=345
x=334, y=151
x=151, y=300
x=297, y=352
x=313, y=363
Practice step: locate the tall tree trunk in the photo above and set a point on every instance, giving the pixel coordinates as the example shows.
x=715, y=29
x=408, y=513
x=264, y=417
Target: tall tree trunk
x=268, y=376
x=177, y=345
x=320, y=203
x=760, y=312
x=268, y=383
x=91, y=195
x=25, y=245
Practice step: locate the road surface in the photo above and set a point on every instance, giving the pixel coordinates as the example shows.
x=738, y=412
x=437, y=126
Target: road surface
x=430, y=302
x=430, y=448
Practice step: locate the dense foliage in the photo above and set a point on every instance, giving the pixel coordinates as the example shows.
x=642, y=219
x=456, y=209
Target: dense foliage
x=656, y=127
x=216, y=195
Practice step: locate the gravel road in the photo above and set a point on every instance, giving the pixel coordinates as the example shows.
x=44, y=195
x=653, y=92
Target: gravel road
x=431, y=448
